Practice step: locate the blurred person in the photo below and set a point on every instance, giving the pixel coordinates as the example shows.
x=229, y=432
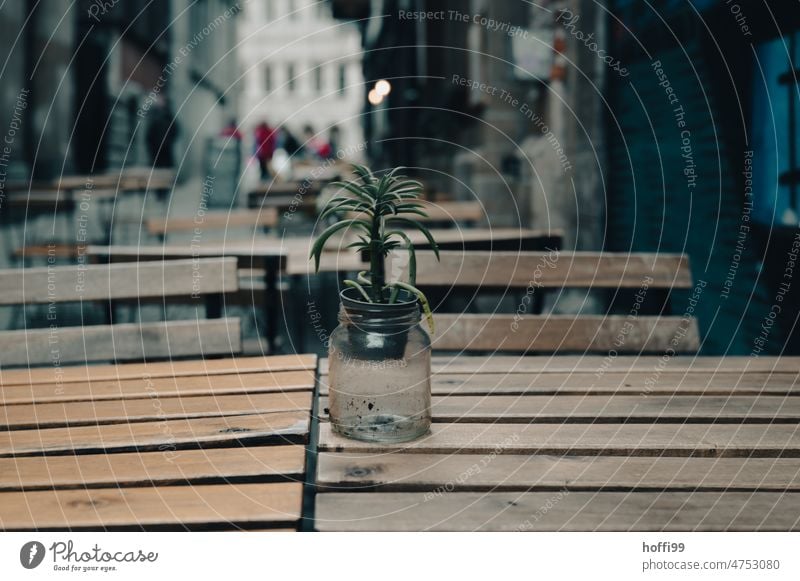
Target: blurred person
x=231, y=130
x=161, y=134
x=334, y=139
x=265, y=140
x=287, y=141
x=314, y=147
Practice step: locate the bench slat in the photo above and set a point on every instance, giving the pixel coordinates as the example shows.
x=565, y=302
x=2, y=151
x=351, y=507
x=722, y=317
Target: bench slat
x=548, y=269
x=557, y=333
x=214, y=220
x=118, y=281
x=122, y=342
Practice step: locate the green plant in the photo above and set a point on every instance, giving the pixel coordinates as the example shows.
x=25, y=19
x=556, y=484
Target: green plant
x=380, y=207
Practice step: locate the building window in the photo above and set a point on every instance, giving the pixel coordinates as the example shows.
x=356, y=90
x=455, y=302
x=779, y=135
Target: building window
x=268, y=78
x=290, y=80
x=342, y=79
x=318, y=78
x=292, y=9
x=322, y=10
x=269, y=10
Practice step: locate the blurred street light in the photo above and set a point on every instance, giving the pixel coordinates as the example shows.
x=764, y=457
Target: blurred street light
x=374, y=97
x=383, y=87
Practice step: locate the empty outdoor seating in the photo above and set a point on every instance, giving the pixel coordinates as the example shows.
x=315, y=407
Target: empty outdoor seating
x=537, y=272
x=198, y=282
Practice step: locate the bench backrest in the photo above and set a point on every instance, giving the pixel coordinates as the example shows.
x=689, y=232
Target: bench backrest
x=215, y=220
x=551, y=269
x=97, y=282
x=534, y=272
x=195, y=279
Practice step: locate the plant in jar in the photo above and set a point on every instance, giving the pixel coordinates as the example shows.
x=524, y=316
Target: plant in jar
x=379, y=355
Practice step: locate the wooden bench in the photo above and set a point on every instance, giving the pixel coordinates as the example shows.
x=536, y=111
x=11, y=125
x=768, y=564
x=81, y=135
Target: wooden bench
x=536, y=272
x=448, y=213
x=202, y=282
x=265, y=218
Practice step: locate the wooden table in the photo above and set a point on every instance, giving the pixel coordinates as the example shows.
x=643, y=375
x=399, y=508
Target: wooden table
x=203, y=445
x=573, y=443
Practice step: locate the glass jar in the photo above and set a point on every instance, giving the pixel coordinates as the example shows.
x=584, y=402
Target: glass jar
x=379, y=371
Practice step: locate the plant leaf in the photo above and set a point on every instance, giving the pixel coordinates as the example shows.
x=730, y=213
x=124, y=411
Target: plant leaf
x=319, y=243
x=419, y=226
x=355, y=285
x=412, y=256
x=426, y=307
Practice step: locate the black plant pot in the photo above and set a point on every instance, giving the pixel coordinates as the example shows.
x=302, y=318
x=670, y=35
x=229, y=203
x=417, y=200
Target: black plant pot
x=365, y=321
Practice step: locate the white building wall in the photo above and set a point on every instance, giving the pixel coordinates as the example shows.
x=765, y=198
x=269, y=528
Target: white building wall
x=279, y=34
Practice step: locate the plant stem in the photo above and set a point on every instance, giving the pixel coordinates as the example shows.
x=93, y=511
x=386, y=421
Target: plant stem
x=377, y=273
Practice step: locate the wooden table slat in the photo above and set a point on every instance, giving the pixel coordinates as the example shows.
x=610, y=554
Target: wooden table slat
x=610, y=409
x=594, y=363
x=279, y=503
x=712, y=440
x=581, y=383
x=99, y=390
x=145, y=468
x=485, y=472
x=547, y=511
x=280, y=427
x=82, y=373
x=49, y=415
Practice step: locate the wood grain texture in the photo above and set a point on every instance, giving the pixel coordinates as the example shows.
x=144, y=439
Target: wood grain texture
x=146, y=468
x=577, y=365
x=546, y=511
x=549, y=269
x=121, y=342
x=621, y=364
x=610, y=409
x=558, y=333
x=278, y=503
x=214, y=220
x=52, y=415
x=706, y=440
x=118, y=281
x=280, y=427
x=582, y=383
x=482, y=472
x=159, y=369
x=158, y=387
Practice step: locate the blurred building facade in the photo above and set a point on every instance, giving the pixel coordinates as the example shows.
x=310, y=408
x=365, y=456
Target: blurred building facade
x=98, y=73
x=301, y=67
